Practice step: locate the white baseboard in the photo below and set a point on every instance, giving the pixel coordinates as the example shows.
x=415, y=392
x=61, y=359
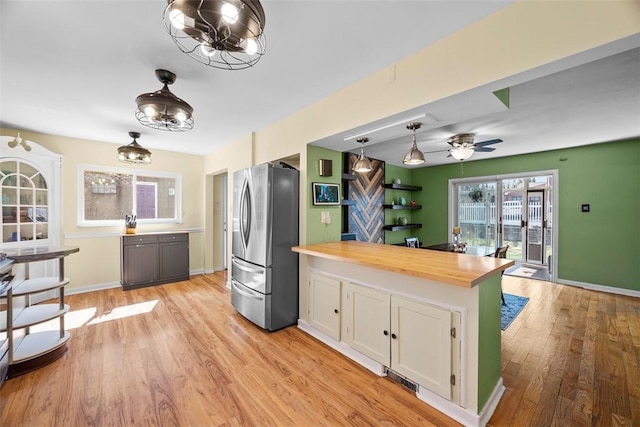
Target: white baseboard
x=91, y=288
x=601, y=288
x=197, y=271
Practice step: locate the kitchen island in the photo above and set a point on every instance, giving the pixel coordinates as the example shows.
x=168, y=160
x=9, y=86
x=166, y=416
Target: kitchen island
x=429, y=319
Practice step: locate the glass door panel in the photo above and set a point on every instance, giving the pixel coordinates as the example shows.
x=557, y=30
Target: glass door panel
x=535, y=222
x=512, y=217
x=477, y=217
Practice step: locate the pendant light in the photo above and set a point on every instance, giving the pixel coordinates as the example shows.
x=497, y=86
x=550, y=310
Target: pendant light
x=162, y=109
x=362, y=165
x=134, y=152
x=414, y=156
x=225, y=34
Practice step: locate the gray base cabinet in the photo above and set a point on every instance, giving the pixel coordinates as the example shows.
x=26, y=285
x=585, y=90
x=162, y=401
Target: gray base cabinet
x=153, y=259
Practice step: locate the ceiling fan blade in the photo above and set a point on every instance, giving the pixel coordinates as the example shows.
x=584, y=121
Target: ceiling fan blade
x=489, y=142
x=437, y=151
x=483, y=149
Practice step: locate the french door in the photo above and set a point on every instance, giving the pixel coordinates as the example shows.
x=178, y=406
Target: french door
x=513, y=210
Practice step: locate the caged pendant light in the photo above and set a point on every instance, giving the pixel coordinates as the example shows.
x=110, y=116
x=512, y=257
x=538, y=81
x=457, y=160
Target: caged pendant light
x=362, y=165
x=134, y=152
x=414, y=156
x=226, y=34
x=162, y=109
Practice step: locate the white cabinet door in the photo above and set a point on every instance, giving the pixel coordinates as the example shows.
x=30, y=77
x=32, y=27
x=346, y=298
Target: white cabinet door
x=421, y=344
x=324, y=304
x=367, y=312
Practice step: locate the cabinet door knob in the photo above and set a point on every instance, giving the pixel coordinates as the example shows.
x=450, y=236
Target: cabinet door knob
x=394, y=336
x=335, y=311
x=385, y=332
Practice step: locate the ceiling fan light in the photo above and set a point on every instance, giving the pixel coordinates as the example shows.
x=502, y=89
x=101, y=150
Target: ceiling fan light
x=163, y=110
x=222, y=34
x=134, y=152
x=250, y=46
x=462, y=153
x=176, y=17
x=230, y=13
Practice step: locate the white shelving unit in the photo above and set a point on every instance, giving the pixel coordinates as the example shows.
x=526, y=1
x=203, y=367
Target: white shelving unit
x=30, y=350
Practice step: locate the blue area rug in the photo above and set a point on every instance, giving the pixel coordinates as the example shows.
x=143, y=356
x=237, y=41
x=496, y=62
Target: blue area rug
x=513, y=305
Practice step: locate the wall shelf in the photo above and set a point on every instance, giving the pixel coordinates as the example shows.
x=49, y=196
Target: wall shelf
x=403, y=187
x=396, y=207
x=395, y=227
x=348, y=202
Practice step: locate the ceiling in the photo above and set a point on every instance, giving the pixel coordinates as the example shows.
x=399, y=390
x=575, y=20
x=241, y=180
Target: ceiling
x=74, y=69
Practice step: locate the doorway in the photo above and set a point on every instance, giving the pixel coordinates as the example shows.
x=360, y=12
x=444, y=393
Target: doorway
x=515, y=210
x=220, y=228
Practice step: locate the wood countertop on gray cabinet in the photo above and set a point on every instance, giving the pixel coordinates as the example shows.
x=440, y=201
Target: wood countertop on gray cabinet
x=153, y=259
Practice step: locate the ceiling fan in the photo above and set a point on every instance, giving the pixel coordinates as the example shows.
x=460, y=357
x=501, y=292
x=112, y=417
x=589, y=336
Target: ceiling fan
x=463, y=146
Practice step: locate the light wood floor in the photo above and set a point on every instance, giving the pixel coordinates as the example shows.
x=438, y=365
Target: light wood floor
x=178, y=354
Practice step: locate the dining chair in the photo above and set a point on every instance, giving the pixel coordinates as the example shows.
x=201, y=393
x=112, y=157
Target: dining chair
x=411, y=242
x=501, y=253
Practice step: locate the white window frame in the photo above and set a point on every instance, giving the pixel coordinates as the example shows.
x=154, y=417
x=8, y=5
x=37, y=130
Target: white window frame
x=82, y=222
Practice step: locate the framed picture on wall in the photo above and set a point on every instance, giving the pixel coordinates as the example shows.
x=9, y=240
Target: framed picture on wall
x=326, y=194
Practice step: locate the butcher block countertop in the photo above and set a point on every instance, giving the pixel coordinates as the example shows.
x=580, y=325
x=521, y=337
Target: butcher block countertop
x=452, y=268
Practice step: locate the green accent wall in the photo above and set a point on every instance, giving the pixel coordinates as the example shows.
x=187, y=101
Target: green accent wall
x=489, y=338
x=600, y=247
x=316, y=231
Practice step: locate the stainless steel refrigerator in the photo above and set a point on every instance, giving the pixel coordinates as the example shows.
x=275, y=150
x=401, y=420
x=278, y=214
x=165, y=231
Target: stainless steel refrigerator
x=264, y=269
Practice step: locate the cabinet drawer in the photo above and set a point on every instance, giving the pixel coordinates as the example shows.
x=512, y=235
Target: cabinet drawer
x=177, y=237
x=139, y=239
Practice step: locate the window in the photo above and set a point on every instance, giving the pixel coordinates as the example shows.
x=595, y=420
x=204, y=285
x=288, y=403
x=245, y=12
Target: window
x=108, y=194
x=25, y=207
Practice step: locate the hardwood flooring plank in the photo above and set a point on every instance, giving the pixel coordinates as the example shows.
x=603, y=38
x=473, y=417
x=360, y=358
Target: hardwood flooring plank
x=179, y=354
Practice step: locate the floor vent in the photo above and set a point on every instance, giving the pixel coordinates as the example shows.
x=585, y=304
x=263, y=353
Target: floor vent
x=402, y=380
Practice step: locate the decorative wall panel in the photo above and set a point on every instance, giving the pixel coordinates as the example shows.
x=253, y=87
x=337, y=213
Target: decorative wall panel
x=366, y=217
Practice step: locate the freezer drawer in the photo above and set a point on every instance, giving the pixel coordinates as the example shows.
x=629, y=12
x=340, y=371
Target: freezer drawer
x=252, y=276
x=252, y=305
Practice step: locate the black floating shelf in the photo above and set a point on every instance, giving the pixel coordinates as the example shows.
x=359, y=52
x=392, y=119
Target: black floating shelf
x=393, y=227
x=346, y=202
x=348, y=177
x=402, y=207
x=403, y=187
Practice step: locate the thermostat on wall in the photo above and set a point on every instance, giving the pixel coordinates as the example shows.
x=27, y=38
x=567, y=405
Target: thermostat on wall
x=585, y=207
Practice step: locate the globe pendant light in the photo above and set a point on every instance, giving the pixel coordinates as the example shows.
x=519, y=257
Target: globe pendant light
x=225, y=34
x=462, y=153
x=134, y=152
x=162, y=109
x=414, y=156
x=362, y=165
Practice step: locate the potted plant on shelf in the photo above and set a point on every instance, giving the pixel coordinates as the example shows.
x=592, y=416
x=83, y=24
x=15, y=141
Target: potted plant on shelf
x=475, y=194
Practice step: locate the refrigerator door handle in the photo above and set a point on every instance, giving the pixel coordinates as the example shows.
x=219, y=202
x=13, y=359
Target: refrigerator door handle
x=243, y=292
x=245, y=214
x=245, y=267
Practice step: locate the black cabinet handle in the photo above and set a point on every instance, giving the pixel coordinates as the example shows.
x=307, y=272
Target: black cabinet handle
x=394, y=336
x=385, y=332
x=335, y=311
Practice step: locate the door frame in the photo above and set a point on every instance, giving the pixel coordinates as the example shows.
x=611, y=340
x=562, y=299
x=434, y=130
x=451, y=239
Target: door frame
x=452, y=200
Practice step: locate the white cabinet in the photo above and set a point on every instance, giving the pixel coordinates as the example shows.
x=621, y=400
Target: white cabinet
x=421, y=344
x=324, y=304
x=412, y=338
x=367, y=322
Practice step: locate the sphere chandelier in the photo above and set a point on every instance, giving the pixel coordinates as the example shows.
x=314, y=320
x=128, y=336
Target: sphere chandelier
x=134, y=152
x=226, y=34
x=162, y=109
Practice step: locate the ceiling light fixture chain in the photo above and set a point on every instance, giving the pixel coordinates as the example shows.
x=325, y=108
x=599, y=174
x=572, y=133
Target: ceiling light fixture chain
x=363, y=164
x=414, y=156
x=226, y=34
x=134, y=152
x=163, y=110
